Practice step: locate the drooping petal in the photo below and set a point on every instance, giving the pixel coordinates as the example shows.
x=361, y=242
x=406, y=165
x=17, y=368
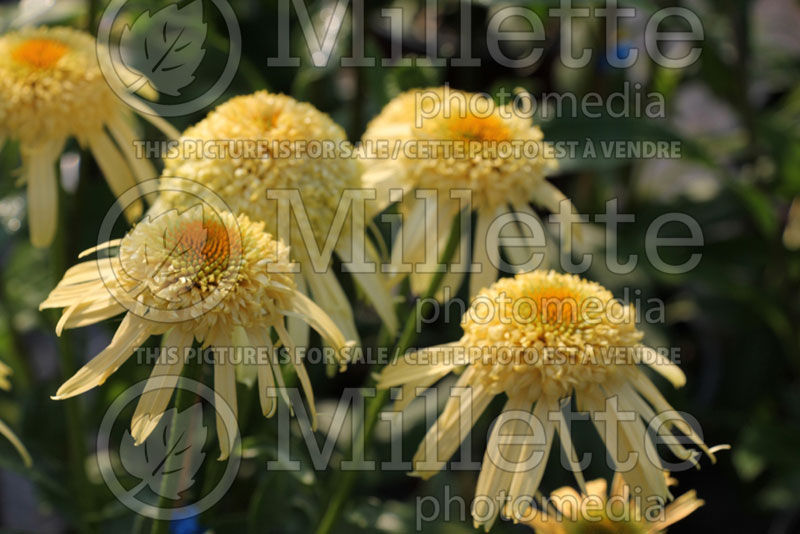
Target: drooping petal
x=126, y=138
x=116, y=171
x=569, y=450
x=296, y=325
x=373, y=282
x=496, y=482
x=451, y=428
x=485, y=251
x=225, y=392
x=680, y=508
x=158, y=390
x=300, y=369
x=319, y=320
x=525, y=482
x=6, y=432
x=40, y=175
x=266, y=381
x=663, y=366
x=328, y=293
x=132, y=332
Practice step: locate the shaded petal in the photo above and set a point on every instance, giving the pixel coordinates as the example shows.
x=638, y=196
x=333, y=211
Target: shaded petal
x=450, y=429
x=116, y=171
x=40, y=174
x=132, y=332
x=6, y=432
x=224, y=391
x=159, y=387
x=300, y=369
x=485, y=247
x=328, y=293
x=496, y=482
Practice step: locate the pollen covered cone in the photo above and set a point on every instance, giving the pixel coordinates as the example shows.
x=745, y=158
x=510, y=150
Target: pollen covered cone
x=603, y=511
x=51, y=89
x=268, y=143
x=456, y=143
x=541, y=339
x=211, y=277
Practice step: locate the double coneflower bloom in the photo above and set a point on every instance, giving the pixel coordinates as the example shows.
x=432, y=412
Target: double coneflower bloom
x=51, y=89
x=541, y=339
x=210, y=277
x=253, y=145
x=456, y=143
x=599, y=510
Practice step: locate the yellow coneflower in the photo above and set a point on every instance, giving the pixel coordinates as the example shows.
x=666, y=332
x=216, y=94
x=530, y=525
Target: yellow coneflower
x=542, y=338
x=51, y=89
x=217, y=279
x=5, y=431
x=620, y=512
x=264, y=145
x=448, y=140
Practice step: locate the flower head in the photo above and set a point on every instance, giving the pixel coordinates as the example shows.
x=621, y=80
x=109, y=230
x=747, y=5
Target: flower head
x=51, y=89
x=461, y=122
x=245, y=171
x=262, y=143
x=214, y=278
x=449, y=140
x=600, y=511
x=540, y=339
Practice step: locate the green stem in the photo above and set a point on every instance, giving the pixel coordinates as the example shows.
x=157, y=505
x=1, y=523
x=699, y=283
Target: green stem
x=16, y=355
x=346, y=479
x=62, y=255
x=91, y=17
x=183, y=400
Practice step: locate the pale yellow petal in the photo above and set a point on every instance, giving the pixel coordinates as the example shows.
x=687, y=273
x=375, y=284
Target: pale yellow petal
x=126, y=139
x=158, y=390
x=663, y=366
x=485, y=250
x=132, y=332
x=6, y=432
x=40, y=175
x=329, y=295
x=448, y=432
x=495, y=481
x=302, y=375
x=374, y=284
x=224, y=392
x=116, y=171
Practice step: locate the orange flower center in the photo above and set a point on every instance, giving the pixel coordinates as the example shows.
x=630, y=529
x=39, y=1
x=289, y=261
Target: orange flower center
x=552, y=305
x=473, y=128
x=39, y=53
x=200, y=251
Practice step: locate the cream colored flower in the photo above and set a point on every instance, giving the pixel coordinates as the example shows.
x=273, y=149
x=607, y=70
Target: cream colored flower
x=214, y=278
x=51, y=89
x=277, y=130
x=597, y=511
x=447, y=140
x=540, y=339
x=5, y=431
